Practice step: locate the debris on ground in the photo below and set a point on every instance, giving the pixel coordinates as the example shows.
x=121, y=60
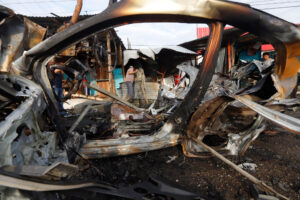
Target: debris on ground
x=248, y=166
x=71, y=124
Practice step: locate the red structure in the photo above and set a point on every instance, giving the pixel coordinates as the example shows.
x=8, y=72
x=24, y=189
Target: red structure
x=204, y=31
x=267, y=47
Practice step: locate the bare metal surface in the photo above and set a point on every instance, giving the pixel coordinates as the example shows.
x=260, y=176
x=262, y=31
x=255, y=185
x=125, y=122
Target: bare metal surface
x=55, y=171
x=239, y=143
x=284, y=120
x=12, y=36
x=24, y=118
x=22, y=184
x=210, y=120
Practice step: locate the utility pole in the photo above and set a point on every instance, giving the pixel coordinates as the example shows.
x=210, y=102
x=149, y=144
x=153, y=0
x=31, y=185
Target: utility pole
x=121, y=60
x=109, y=62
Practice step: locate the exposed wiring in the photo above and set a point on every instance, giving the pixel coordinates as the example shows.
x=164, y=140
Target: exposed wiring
x=287, y=2
x=296, y=6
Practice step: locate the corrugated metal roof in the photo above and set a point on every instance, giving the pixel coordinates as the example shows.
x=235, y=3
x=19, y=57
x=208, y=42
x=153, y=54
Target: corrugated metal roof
x=174, y=48
x=150, y=52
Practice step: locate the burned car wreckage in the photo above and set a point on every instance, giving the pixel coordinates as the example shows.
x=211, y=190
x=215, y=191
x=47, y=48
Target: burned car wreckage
x=215, y=108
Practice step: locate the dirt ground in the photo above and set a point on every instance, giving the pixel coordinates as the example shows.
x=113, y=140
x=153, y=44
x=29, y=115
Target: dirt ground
x=277, y=157
x=276, y=153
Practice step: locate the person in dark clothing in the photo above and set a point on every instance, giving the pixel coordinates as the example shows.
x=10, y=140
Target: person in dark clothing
x=56, y=77
x=57, y=86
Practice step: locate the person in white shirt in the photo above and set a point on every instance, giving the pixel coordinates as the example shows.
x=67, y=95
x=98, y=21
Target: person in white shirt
x=267, y=60
x=129, y=79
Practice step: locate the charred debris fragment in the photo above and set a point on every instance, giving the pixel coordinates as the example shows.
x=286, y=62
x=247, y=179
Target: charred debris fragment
x=220, y=103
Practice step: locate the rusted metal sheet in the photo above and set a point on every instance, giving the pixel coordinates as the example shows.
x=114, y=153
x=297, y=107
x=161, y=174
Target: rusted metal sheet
x=17, y=35
x=12, y=39
x=94, y=149
x=35, y=32
x=287, y=68
x=69, y=52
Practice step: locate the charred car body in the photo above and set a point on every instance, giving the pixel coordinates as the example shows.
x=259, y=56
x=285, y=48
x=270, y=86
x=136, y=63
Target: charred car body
x=27, y=95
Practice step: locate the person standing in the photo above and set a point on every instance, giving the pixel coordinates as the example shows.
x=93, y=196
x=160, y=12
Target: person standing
x=56, y=82
x=85, y=88
x=140, y=86
x=57, y=86
x=267, y=61
x=129, y=79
